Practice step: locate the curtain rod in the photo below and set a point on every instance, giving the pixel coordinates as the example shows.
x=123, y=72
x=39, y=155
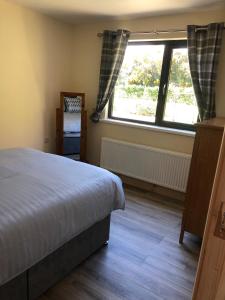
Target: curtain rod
x=100, y=34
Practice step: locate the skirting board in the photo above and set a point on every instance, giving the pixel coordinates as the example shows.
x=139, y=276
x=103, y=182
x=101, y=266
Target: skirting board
x=149, y=187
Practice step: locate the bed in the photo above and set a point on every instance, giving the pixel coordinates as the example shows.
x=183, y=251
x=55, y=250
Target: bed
x=71, y=133
x=54, y=212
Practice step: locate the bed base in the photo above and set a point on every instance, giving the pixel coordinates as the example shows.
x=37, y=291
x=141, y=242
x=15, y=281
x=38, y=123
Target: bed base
x=71, y=145
x=36, y=280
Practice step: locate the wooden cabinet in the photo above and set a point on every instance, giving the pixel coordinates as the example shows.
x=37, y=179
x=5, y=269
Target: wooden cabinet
x=201, y=176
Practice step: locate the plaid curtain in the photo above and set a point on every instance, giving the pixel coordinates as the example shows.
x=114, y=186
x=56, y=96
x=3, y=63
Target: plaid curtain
x=203, y=51
x=113, y=50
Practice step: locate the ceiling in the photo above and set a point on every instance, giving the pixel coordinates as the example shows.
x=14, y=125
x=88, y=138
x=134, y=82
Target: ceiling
x=77, y=11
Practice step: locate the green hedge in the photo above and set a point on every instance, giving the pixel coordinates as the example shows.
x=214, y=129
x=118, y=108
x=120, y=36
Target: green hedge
x=175, y=94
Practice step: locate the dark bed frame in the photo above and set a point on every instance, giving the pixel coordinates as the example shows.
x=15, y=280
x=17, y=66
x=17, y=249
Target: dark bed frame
x=36, y=280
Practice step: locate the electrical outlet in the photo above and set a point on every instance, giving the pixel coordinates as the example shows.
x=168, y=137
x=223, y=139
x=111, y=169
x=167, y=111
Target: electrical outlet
x=46, y=140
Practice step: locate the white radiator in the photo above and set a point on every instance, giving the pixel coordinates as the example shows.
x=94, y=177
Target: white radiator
x=161, y=167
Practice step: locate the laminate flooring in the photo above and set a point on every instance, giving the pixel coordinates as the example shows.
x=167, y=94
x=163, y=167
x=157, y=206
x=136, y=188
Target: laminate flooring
x=143, y=259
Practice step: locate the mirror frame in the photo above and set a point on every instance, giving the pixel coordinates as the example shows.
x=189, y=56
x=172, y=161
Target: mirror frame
x=60, y=123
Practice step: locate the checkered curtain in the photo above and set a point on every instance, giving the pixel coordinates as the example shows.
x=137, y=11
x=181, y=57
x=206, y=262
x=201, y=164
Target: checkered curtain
x=203, y=51
x=113, y=50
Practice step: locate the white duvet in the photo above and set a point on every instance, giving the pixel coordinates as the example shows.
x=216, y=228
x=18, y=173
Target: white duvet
x=72, y=122
x=45, y=200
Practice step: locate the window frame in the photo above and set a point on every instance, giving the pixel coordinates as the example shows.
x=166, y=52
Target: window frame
x=163, y=87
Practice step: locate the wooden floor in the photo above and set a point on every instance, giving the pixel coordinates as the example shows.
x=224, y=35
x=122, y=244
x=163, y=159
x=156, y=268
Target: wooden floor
x=143, y=259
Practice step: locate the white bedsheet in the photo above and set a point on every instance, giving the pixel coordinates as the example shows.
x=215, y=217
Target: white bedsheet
x=45, y=200
x=72, y=122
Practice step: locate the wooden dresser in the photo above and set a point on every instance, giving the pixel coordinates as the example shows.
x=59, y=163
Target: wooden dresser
x=201, y=176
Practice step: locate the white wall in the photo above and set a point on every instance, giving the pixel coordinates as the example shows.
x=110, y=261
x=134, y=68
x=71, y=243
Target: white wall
x=35, y=59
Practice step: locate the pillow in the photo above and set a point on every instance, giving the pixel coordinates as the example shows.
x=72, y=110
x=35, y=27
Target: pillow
x=72, y=104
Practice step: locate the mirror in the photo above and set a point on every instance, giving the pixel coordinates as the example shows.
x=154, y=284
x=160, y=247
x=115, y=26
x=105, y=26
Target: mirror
x=71, y=119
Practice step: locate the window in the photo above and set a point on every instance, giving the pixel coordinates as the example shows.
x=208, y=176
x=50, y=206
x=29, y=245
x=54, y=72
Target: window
x=154, y=86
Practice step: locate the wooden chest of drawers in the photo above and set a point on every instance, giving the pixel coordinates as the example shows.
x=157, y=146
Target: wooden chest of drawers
x=201, y=176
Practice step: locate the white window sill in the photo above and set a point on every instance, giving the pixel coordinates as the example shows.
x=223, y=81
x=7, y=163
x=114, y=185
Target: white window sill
x=149, y=127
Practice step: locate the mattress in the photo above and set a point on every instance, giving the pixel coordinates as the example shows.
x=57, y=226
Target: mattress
x=46, y=200
x=71, y=135
x=72, y=122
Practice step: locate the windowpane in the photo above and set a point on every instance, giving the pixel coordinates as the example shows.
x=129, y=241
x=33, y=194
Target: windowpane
x=136, y=91
x=181, y=104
